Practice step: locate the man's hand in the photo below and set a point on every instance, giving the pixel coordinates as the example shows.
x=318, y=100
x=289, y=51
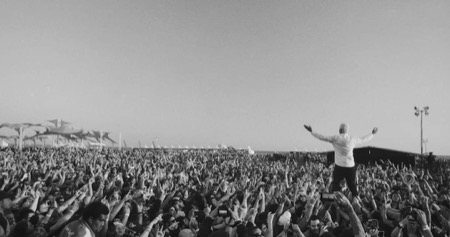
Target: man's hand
x=74, y=207
x=421, y=217
x=127, y=208
x=160, y=232
x=308, y=127
x=374, y=130
x=342, y=201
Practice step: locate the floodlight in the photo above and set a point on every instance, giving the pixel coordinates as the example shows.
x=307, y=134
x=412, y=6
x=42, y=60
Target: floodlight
x=417, y=113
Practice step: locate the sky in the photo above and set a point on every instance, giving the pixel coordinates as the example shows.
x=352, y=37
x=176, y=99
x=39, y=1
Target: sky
x=241, y=73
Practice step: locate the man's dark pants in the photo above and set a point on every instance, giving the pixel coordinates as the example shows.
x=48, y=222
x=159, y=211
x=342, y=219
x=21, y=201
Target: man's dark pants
x=349, y=173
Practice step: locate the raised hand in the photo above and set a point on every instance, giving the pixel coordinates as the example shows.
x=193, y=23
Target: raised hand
x=317, y=206
x=207, y=209
x=421, y=217
x=101, y=186
x=323, y=229
x=425, y=201
x=342, y=201
x=140, y=207
x=31, y=192
x=261, y=193
x=190, y=163
x=40, y=193
x=313, y=186
x=128, y=196
x=160, y=232
x=374, y=130
x=308, y=127
x=7, y=179
x=251, y=211
x=234, y=213
x=91, y=180
x=157, y=219
x=127, y=208
x=105, y=201
x=148, y=193
x=75, y=206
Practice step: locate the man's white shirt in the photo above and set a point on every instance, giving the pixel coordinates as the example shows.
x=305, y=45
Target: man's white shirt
x=343, y=146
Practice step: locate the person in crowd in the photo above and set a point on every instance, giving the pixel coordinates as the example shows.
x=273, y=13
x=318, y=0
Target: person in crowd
x=344, y=161
x=5, y=205
x=315, y=228
x=92, y=222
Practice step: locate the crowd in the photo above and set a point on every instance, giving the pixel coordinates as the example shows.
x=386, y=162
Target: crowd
x=205, y=193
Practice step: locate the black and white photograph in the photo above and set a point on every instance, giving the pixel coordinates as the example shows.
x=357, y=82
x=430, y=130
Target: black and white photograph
x=225, y=118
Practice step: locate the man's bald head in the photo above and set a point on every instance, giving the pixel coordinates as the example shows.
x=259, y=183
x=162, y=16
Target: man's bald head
x=343, y=129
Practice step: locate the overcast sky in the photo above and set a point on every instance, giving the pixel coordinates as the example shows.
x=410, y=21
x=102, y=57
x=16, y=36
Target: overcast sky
x=241, y=73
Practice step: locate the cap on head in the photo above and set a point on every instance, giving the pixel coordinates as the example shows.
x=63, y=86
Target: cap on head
x=343, y=128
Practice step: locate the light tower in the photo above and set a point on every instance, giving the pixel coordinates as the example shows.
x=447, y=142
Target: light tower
x=417, y=113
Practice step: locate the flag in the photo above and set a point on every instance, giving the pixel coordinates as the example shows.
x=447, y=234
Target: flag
x=250, y=151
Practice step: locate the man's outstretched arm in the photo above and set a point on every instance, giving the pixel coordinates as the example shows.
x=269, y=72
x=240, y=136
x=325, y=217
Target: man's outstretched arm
x=319, y=136
x=367, y=137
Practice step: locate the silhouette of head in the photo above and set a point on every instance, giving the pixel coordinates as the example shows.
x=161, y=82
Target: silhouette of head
x=343, y=129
